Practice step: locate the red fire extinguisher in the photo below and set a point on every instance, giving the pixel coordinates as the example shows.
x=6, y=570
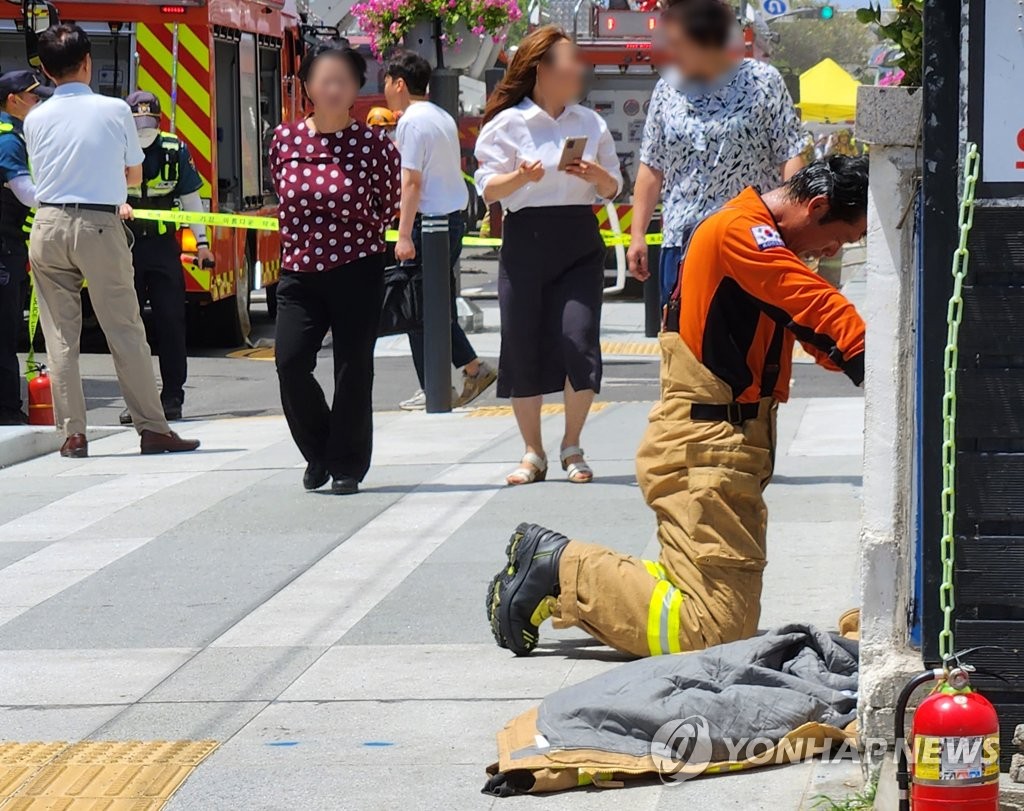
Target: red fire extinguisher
x=954, y=739
x=40, y=398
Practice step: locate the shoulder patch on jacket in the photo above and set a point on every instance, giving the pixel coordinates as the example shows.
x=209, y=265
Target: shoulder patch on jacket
x=767, y=237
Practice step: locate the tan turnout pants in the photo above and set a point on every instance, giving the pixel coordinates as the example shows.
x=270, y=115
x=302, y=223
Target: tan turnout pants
x=704, y=480
x=65, y=248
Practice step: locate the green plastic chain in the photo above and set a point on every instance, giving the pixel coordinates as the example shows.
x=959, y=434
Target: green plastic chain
x=954, y=315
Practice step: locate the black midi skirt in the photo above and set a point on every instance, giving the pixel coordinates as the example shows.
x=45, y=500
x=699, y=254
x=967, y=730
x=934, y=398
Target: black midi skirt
x=550, y=286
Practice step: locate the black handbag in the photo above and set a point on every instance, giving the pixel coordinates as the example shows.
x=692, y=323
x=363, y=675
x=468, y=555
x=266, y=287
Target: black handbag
x=403, y=300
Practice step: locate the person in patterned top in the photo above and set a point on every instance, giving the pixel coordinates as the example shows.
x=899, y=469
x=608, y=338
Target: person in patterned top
x=338, y=184
x=715, y=126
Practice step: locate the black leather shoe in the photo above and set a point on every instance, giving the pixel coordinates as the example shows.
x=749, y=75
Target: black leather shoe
x=522, y=594
x=13, y=416
x=344, y=486
x=172, y=412
x=315, y=477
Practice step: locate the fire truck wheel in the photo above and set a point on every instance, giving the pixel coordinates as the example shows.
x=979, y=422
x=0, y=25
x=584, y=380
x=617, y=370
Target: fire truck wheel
x=227, y=321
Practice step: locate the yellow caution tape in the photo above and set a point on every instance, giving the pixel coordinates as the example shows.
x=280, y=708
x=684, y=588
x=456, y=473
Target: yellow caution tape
x=493, y=242
x=203, y=218
x=270, y=224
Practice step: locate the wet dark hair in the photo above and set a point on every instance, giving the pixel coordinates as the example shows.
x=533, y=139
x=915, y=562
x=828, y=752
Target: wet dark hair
x=336, y=49
x=709, y=23
x=62, y=49
x=842, y=179
x=411, y=67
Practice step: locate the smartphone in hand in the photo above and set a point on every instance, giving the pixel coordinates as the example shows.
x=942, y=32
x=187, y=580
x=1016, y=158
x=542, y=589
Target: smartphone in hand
x=572, y=151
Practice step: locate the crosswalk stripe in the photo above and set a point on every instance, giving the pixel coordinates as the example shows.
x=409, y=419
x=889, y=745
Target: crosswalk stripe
x=77, y=511
x=327, y=600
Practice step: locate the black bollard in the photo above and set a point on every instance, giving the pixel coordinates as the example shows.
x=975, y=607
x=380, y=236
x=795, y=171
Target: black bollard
x=437, y=315
x=652, y=287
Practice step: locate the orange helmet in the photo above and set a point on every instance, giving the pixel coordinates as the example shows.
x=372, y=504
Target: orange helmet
x=381, y=117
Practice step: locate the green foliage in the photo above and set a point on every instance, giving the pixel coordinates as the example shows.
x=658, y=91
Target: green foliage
x=855, y=802
x=905, y=31
x=803, y=42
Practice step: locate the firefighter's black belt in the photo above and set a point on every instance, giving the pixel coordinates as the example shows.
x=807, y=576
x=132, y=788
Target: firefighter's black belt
x=735, y=413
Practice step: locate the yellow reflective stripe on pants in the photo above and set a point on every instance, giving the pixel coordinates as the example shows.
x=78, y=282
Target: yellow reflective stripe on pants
x=663, y=618
x=655, y=569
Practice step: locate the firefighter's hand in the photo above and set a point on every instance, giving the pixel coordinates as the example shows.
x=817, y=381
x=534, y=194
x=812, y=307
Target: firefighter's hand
x=405, y=251
x=531, y=171
x=636, y=258
x=125, y=212
x=204, y=258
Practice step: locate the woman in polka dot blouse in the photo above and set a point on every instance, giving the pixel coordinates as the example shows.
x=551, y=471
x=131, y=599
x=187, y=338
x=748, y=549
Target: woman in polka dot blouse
x=338, y=183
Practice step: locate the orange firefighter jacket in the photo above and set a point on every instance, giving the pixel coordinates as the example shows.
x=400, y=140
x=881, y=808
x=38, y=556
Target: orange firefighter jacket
x=745, y=298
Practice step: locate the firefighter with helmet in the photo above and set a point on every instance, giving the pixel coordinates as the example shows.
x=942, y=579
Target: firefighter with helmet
x=20, y=90
x=383, y=118
x=169, y=176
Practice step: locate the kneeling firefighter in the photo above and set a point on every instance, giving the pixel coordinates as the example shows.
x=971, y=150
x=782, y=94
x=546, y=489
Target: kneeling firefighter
x=169, y=175
x=743, y=299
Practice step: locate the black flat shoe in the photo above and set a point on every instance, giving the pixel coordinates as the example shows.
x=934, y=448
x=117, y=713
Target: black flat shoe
x=344, y=486
x=315, y=477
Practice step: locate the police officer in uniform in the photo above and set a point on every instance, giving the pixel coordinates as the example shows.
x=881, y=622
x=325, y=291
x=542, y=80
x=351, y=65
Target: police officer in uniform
x=19, y=92
x=169, y=177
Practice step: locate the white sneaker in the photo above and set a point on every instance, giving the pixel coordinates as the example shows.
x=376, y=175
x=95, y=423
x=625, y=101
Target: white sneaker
x=418, y=402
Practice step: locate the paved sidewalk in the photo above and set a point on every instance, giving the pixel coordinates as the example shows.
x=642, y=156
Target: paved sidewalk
x=336, y=648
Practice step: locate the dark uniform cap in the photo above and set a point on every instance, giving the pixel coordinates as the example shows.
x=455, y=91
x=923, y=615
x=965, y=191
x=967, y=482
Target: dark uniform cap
x=145, y=108
x=20, y=81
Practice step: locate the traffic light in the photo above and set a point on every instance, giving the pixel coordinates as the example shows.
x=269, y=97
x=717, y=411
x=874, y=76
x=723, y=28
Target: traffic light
x=827, y=12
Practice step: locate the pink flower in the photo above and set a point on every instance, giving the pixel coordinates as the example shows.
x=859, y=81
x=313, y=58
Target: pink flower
x=478, y=30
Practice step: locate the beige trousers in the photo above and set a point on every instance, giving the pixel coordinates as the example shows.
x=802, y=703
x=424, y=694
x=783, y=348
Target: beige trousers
x=65, y=248
x=704, y=481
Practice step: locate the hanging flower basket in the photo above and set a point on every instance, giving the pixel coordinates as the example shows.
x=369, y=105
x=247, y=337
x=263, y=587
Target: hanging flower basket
x=463, y=49
x=471, y=30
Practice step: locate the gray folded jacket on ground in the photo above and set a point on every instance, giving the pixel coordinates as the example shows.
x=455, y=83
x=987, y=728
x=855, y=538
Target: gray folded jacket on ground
x=794, y=685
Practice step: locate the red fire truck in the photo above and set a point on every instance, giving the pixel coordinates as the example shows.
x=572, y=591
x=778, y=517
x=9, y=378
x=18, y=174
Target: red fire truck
x=224, y=72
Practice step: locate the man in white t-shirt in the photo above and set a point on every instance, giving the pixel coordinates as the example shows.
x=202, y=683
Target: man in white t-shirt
x=432, y=185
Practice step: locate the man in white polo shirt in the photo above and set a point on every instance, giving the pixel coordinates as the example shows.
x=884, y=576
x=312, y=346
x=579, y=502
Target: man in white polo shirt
x=84, y=153
x=432, y=184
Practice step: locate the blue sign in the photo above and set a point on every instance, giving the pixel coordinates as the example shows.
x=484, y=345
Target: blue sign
x=774, y=7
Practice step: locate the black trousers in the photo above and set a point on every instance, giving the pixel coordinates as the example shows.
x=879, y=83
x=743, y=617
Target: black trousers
x=462, y=350
x=550, y=287
x=347, y=300
x=160, y=281
x=13, y=277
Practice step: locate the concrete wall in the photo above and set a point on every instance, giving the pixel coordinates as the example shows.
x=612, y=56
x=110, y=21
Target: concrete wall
x=889, y=119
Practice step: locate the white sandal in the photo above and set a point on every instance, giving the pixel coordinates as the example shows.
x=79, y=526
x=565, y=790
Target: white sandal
x=528, y=475
x=579, y=472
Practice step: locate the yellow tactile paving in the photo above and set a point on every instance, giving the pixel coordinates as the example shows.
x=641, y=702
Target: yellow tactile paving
x=630, y=348
x=96, y=775
x=19, y=761
x=259, y=353
x=547, y=408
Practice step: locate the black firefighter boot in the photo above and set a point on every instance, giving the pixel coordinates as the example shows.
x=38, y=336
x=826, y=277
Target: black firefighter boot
x=522, y=594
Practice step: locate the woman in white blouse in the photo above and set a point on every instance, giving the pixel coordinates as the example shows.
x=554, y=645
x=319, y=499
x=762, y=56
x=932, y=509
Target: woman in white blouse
x=551, y=271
